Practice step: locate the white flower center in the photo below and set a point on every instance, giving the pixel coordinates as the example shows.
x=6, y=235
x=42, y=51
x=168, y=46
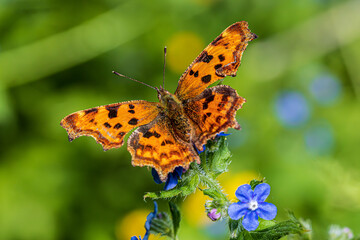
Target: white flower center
x=253, y=205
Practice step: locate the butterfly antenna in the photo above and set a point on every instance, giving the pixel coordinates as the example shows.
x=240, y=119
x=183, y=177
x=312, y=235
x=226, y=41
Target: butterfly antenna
x=122, y=75
x=164, y=67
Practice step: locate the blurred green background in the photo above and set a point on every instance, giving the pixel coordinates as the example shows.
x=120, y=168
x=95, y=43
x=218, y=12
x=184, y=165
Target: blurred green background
x=300, y=125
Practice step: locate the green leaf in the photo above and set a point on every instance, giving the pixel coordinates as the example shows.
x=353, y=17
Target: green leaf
x=162, y=225
x=185, y=187
x=254, y=183
x=175, y=215
x=278, y=231
x=216, y=157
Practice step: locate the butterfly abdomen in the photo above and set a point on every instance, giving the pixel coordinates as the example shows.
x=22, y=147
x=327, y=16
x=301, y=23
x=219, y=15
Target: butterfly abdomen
x=177, y=120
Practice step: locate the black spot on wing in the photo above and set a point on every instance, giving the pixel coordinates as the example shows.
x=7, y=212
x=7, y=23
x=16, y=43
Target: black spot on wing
x=112, y=111
x=204, y=57
x=157, y=135
x=216, y=40
x=206, y=78
x=147, y=135
x=92, y=110
x=107, y=125
x=218, y=66
x=208, y=99
x=196, y=74
x=191, y=72
x=133, y=121
x=221, y=57
x=117, y=126
x=131, y=106
x=131, y=111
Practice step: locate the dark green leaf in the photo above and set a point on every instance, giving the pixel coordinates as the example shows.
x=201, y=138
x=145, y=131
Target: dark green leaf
x=175, y=215
x=162, y=225
x=254, y=183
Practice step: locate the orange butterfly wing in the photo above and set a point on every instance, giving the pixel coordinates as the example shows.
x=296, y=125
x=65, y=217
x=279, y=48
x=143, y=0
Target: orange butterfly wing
x=110, y=123
x=219, y=59
x=156, y=145
x=212, y=112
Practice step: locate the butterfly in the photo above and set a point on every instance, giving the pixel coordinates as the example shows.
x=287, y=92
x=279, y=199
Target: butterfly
x=169, y=131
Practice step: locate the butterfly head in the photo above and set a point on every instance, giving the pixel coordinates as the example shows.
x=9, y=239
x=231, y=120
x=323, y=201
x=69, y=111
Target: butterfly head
x=167, y=99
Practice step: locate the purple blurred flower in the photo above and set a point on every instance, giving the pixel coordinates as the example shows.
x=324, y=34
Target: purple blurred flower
x=149, y=218
x=292, y=108
x=172, y=179
x=252, y=205
x=213, y=214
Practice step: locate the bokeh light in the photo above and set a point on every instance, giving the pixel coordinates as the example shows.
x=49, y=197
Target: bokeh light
x=325, y=89
x=292, y=109
x=319, y=139
x=183, y=47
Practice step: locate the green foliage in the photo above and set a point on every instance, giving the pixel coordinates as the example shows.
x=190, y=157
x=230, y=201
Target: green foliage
x=164, y=225
x=274, y=232
x=175, y=216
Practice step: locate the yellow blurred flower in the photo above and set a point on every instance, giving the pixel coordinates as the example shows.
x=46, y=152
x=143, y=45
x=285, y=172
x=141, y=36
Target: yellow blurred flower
x=132, y=224
x=194, y=209
x=231, y=181
x=183, y=47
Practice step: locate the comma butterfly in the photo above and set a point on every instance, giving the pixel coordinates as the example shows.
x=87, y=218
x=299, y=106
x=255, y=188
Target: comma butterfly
x=170, y=130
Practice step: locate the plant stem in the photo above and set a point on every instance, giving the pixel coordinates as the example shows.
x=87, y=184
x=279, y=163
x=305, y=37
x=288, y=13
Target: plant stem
x=211, y=183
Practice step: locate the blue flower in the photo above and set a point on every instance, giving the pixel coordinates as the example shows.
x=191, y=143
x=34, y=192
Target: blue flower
x=172, y=179
x=252, y=205
x=149, y=218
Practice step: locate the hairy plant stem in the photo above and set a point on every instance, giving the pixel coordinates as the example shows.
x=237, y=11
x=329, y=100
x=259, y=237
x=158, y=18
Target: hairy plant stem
x=212, y=183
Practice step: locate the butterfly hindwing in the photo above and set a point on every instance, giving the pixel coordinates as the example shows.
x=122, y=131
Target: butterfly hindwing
x=156, y=145
x=110, y=123
x=219, y=59
x=212, y=112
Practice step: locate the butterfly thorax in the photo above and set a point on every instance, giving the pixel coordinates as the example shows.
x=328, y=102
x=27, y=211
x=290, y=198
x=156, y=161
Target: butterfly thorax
x=172, y=109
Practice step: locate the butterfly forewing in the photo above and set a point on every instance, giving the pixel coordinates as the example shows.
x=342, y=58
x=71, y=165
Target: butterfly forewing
x=110, y=123
x=219, y=59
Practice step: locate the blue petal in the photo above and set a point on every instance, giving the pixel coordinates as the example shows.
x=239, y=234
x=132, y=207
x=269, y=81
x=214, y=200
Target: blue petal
x=266, y=210
x=171, y=182
x=244, y=193
x=238, y=210
x=200, y=151
x=146, y=236
x=178, y=171
x=155, y=176
x=135, y=238
x=261, y=192
x=222, y=134
x=150, y=217
x=250, y=221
